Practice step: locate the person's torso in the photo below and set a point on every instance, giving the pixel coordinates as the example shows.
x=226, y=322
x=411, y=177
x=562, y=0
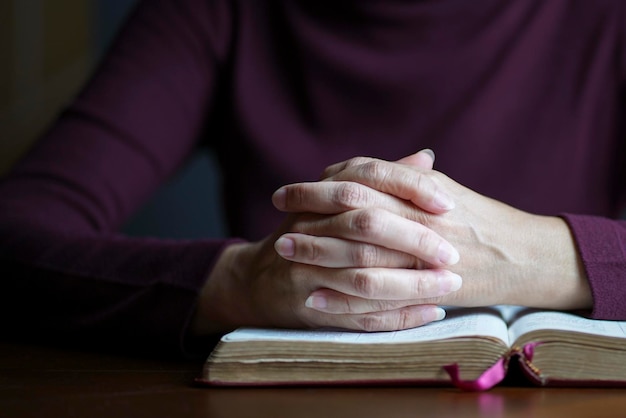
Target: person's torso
x=520, y=100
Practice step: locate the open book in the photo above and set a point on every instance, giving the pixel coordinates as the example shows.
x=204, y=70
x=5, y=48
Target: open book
x=471, y=349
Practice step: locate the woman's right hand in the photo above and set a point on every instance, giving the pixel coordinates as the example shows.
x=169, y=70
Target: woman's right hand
x=385, y=264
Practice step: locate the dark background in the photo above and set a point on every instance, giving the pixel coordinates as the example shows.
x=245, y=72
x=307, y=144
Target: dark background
x=48, y=48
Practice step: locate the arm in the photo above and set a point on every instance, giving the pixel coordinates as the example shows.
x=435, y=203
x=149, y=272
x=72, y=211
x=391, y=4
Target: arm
x=71, y=278
x=66, y=274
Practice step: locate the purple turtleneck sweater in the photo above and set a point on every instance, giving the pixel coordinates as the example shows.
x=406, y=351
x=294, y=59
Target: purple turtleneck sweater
x=521, y=100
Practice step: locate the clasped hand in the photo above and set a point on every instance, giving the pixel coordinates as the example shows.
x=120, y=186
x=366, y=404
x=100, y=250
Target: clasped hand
x=377, y=245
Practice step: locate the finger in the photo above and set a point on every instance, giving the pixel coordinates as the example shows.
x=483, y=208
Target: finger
x=399, y=180
x=330, y=301
x=331, y=197
x=398, y=319
x=379, y=227
x=389, y=283
x=340, y=253
x=424, y=159
x=420, y=159
x=333, y=169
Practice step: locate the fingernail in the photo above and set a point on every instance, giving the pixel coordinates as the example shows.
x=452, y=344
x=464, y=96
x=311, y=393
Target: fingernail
x=433, y=314
x=316, y=302
x=286, y=247
x=279, y=198
x=448, y=254
x=429, y=152
x=443, y=201
x=439, y=314
x=451, y=282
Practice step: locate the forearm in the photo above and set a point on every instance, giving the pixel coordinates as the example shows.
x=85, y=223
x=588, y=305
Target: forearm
x=124, y=294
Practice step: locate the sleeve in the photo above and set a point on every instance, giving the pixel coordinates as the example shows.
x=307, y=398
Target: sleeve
x=66, y=275
x=602, y=248
x=601, y=241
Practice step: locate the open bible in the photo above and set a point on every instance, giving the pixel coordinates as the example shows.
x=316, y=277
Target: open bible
x=471, y=349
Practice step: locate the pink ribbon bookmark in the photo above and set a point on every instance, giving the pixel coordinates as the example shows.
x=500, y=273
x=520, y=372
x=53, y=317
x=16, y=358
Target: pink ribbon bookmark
x=491, y=377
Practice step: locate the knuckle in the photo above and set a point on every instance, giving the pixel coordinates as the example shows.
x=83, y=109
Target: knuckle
x=425, y=241
x=381, y=305
x=348, y=306
x=356, y=161
x=296, y=196
x=404, y=319
x=421, y=217
x=371, y=322
x=365, y=256
x=349, y=195
x=368, y=222
x=314, y=251
x=417, y=287
x=367, y=284
x=376, y=169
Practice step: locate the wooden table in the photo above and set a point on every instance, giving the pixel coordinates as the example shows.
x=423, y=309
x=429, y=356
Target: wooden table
x=48, y=382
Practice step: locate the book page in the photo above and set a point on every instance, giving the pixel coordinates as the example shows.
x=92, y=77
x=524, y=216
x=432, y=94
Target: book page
x=458, y=323
x=531, y=320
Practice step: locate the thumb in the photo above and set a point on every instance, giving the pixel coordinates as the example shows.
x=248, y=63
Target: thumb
x=424, y=159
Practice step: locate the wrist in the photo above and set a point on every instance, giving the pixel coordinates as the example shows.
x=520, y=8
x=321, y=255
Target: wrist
x=554, y=277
